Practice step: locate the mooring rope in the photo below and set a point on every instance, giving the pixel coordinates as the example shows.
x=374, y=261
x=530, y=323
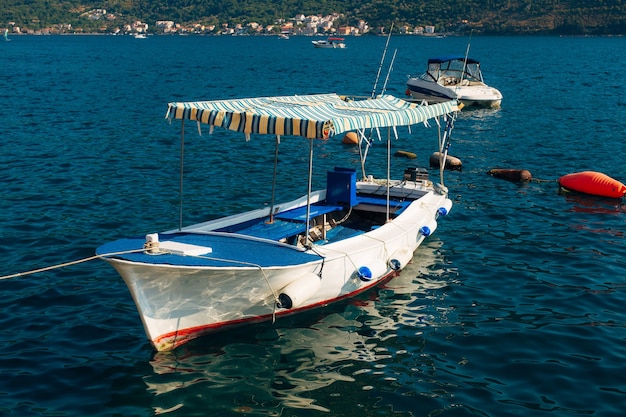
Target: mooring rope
x=79, y=261
x=105, y=255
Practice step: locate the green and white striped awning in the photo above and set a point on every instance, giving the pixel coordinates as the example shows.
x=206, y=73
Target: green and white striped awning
x=318, y=116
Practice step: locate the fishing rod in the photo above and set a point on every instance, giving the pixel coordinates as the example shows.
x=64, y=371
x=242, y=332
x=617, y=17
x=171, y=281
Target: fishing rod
x=389, y=72
x=382, y=60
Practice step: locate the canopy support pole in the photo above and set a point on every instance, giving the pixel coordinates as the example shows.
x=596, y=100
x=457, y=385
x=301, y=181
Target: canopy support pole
x=388, y=167
x=182, y=164
x=310, y=188
x=271, y=220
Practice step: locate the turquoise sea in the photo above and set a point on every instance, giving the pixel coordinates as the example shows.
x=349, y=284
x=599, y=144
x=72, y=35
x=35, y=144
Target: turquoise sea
x=514, y=307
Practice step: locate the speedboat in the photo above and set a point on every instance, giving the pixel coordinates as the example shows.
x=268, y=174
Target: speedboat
x=453, y=77
x=329, y=244
x=330, y=43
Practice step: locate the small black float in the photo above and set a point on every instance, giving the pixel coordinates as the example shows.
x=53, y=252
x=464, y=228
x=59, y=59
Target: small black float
x=517, y=175
x=451, y=162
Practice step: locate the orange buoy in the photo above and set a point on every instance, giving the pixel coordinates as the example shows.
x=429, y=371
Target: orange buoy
x=451, y=162
x=593, y=183
x=350, y=138
x=511, y=174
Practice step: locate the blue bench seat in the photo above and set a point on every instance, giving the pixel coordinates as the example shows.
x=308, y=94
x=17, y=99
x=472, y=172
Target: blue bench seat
x=299, y=214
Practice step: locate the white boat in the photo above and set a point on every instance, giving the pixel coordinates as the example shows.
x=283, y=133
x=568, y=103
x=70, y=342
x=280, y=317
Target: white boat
x=330, y=43
x=325, y=246
x=6, y=35
x=454, y=77
x=140, y=36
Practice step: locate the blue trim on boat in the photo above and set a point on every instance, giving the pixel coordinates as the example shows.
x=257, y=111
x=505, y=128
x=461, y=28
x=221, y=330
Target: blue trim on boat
x=227, y=250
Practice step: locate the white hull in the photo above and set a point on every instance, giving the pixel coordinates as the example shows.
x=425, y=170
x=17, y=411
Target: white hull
x=330, y=43
x=473, y=95
x=479, y=96
x=179, y=303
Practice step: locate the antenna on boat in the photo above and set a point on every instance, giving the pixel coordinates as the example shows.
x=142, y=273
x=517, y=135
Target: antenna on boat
x=382, y=60
x=466, y=56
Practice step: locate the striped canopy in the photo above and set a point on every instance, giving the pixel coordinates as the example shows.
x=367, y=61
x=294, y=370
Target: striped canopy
x=318, y=116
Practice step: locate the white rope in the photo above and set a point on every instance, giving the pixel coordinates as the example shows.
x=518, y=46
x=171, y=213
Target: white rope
x=105, y=255
x=79, y=261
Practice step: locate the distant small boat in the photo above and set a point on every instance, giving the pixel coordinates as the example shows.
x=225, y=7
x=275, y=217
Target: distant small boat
x=336, y=43
x=453, y=77
x=6, y=35
x=283, y=35
x=140, y=36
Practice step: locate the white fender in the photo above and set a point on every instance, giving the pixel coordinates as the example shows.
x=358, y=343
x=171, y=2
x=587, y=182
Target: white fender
x=300, y=290
x=400, y=258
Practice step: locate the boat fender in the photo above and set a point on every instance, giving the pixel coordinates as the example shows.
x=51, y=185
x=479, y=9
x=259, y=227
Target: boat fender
x=375, y=270
x=400, y=258
x=445, y=207
x=350, y=138
x=298, y=291
x=520, y=175
x=405, y=154
x=428, y=228
x=593, y=183
x=451, y=162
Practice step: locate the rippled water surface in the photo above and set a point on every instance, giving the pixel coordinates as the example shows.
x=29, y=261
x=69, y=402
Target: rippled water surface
x=514, y=307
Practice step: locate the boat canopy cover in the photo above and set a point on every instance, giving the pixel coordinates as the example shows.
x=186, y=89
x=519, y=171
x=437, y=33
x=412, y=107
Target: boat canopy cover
x=442, y=59
x=318, y=116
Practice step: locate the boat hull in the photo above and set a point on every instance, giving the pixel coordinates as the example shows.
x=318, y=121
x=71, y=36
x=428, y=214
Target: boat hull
x=431, y=92
x=475, y=95
x=180, y=298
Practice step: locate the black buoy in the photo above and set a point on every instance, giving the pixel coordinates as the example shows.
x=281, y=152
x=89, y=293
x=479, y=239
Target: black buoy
x=451, y=162
x=518, y=175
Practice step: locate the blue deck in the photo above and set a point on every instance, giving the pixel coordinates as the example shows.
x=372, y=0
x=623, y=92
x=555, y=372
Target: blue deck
x=286, y=224
x=228, y=250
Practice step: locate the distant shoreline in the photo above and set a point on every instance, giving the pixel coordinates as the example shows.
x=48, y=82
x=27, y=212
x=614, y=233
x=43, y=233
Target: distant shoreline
x=434, y=36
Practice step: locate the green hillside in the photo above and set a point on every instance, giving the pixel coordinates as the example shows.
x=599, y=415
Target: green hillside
x=571, y=17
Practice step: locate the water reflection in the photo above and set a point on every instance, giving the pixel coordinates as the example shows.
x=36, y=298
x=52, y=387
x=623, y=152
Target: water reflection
x=582, y=203
x=318, y=362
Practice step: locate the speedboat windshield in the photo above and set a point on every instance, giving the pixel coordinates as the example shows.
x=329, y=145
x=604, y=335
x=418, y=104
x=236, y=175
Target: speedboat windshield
x=457, y=68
